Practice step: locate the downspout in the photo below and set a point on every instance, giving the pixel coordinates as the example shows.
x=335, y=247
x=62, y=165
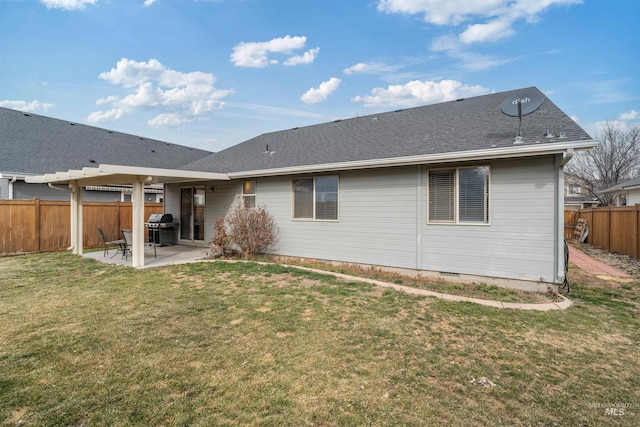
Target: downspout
x=568, y=155
x=55, y=187
x=559, y=272
x=68, y=190
x=15, y=178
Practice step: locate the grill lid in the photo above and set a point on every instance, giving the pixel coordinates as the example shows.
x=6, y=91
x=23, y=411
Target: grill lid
x=165, y=218
x=155, y=218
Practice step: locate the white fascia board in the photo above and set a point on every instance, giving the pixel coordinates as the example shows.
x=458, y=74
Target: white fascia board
x=62, y=176
x=75, y=174
x=157, y=172
x=90, y=172
x=459, y=156
x=621, y=190
x=11, y=175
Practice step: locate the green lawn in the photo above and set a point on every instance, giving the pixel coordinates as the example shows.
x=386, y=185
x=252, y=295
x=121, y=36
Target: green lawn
x=85, y=344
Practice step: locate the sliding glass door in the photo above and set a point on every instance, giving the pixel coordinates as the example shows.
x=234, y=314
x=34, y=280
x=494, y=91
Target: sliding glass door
x=192, y=213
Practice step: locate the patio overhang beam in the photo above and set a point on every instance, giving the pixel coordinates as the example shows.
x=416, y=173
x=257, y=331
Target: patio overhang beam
x=135, y=176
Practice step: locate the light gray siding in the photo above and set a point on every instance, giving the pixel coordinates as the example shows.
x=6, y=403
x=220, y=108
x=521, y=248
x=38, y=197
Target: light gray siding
x=219, y=198
x=382, y=221
x=518, y=243
x=376, y=225
x=4, y=188
x=24, y=191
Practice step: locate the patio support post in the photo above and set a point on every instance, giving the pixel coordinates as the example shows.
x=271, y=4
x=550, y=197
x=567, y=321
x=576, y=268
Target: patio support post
x=76, y=218
x=137, y=222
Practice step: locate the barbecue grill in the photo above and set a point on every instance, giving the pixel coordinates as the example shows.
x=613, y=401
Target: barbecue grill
x=161, y=229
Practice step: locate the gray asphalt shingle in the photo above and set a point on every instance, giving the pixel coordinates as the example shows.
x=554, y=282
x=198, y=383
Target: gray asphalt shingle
x=34, y=144
x=457, y=126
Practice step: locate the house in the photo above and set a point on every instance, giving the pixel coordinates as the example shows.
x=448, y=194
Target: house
x=626, y=193
x=470, y=189
x=575, y=195
x=31, y=144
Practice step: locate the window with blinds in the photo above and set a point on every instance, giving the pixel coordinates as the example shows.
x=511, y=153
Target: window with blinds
x=316, y=198
x=459, y=196
x=442, y=196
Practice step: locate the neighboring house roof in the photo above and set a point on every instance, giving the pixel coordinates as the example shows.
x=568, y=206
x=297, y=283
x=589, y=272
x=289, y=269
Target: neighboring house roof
x=624, y=186
x=466, y=125
x=33, y=144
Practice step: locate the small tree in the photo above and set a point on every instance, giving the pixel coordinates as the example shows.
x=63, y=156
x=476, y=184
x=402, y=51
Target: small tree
x=615, y=159
x=252, y=230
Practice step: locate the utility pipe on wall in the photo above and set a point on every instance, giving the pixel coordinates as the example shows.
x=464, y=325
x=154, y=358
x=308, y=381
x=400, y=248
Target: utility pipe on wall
x=15, y=178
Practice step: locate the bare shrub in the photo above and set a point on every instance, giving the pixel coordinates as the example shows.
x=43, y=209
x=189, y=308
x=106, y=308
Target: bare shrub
x=252, y=230
x=221, y=241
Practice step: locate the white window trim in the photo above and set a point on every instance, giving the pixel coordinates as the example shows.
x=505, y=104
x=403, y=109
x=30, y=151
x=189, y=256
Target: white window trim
x=293, y=198
x=456, y=202
x=255, y=190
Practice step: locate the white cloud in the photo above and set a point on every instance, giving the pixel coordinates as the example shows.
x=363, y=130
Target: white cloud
x=67, y=4
x=307, y=58
x=148, y=3
x=178, y=97
x=596, y=129
x=469, y=60
x=112, y=114
x=313, y=96
x=256, y=54
x=419, y=93
x=370, y=68
x=491, y=31
x=442, y=12
x=169, y=120
x=496, y=16
x=630, y=115
x=32, y=106
x=129, y=73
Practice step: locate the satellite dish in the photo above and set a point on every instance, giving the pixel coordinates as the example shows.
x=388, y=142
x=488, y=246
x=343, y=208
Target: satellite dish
x=528, y=102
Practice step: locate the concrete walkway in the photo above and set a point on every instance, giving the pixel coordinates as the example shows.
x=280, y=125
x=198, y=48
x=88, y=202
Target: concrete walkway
x=595, y=267
x=181, y=254
x=560, y=305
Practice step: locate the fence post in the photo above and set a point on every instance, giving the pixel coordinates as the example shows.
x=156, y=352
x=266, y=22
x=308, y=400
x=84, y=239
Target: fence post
x=118, y=217
x=610, y=229
x=637, y=236
x=38, y=223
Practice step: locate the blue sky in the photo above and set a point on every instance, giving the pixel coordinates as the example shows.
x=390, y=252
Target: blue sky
x=210, y=74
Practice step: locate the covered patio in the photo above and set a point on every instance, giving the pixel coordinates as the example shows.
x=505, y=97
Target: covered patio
x=137, y=177
x=165, y=255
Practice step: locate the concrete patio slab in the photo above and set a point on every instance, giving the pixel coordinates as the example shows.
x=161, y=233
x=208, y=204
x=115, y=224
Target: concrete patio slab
x=164, y=255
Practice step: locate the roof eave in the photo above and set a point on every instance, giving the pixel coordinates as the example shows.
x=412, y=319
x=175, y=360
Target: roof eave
x=117, y=174
x=459, y=156
x=621, y=189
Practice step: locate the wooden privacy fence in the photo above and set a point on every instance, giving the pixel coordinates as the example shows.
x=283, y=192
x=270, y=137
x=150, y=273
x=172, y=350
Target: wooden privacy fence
x=616, y=229
x=45, y=225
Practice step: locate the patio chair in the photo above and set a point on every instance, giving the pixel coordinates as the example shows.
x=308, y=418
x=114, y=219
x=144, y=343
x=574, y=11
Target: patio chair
x=127, y=236
x=118, y=243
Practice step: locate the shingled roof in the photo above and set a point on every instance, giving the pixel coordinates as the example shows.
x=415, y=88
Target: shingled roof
x=457, y=126
x=32, y=144
x=632, y=183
